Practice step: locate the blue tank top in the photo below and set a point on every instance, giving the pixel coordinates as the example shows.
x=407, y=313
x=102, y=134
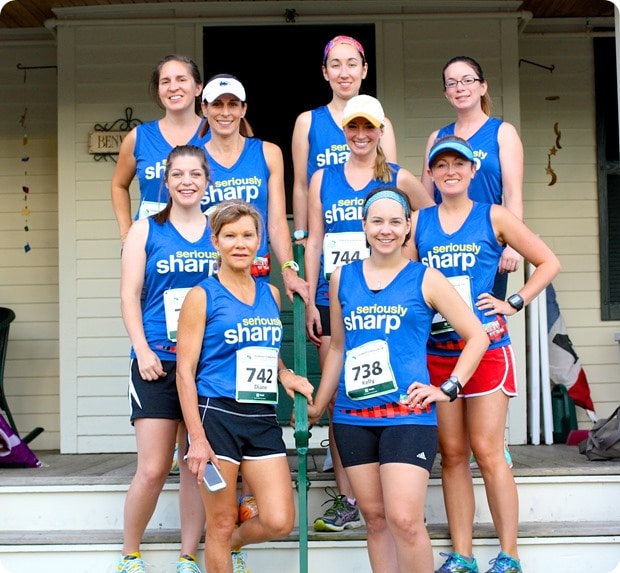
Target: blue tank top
x=172, y=262
x=151, y=151
x=486, y=186
x=233, y=325
x=328, y=145
x=470, y=256
x=342, y=211
x=247, y=180
x=398, y=315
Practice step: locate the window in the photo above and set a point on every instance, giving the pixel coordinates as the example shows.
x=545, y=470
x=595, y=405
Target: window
x=608, y=175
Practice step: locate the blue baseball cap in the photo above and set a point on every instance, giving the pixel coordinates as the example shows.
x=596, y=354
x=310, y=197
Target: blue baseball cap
x=459, y=146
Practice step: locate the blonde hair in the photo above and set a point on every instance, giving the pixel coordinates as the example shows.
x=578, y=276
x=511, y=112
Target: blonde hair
x=383, y=170
x=231, y=211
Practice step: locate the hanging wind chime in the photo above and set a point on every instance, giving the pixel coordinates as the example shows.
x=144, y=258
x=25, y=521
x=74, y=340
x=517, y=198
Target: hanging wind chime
x=24, y=159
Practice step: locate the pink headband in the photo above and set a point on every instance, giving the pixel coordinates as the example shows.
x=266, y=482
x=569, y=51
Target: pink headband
x=343, y=40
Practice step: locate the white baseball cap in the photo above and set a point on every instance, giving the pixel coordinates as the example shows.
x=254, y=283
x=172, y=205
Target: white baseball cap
x=223, y=85
x=364, y=106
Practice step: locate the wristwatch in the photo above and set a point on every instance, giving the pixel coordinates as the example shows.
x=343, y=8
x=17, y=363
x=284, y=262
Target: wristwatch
x=451, y=387
x=299, y=234
x=284, y=370
x=515, y=301
x=291, y=265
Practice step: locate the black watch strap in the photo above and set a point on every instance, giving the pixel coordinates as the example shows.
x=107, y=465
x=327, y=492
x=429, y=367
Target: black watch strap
x=451, y=387
x=515, y=301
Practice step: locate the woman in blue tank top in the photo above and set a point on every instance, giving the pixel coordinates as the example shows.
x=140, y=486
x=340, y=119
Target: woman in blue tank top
x=385, y=425
x=318, y=139
x=464, y=239
x=498, y=151
x=244, y=167
x=175, y=86
x=335, y=238
x=228, y=371
x=164, y=256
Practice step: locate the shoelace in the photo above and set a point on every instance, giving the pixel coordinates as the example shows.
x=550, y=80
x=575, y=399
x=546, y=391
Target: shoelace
x=133, y=565
x=336, y=500
x=187, y=566
x=454, y=559
x=502, y=563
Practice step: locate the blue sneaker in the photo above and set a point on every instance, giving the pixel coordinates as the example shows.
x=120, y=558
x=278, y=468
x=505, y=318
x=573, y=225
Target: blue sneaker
x=505, y=563
x=187, y=564
x=457, y=563
x=473, y=464
x=507, y=454
x=131, y=563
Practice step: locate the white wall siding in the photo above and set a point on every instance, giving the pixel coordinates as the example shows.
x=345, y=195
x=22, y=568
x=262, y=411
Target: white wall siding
x=96, y=363
x=29, y=281
x=69, y=350
x=566, y=214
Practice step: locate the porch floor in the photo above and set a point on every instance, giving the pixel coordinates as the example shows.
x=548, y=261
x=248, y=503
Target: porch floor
x=111, y=468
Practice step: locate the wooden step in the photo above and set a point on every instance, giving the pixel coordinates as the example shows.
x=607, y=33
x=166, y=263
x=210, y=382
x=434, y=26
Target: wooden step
x=68, y=516
x=436, y=531
x=559, y=547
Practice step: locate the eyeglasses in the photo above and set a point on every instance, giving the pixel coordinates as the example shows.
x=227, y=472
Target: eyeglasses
x=466, y=81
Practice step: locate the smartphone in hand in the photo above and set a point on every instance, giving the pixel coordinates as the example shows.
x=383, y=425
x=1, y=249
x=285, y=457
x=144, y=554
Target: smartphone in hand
x=213, y=478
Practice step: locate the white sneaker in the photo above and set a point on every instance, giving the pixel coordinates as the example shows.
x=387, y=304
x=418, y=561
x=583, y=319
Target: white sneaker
x=175, y=470
x=238, y=560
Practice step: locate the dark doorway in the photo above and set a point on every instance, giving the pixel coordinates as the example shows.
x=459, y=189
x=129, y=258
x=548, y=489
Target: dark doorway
x=280, y=67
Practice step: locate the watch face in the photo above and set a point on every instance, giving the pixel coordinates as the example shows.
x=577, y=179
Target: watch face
x=450, y=388
x=516, y=301
x=292, y=265
x=450, y=385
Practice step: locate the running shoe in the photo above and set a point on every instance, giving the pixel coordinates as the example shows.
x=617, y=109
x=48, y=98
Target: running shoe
x=131, y=563
x=174, y=468
x=505, y=563
x=457, y=563
x=187, y=564
x=238, y=560
x=341, y=515
x=473, y=464
x=247, y=507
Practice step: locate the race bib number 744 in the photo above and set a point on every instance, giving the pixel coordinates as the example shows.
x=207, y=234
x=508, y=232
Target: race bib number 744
x=343, y=248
